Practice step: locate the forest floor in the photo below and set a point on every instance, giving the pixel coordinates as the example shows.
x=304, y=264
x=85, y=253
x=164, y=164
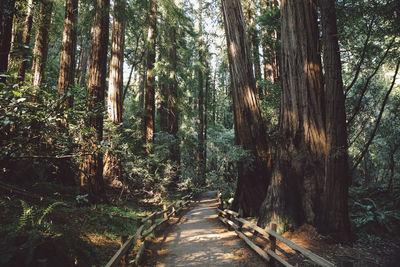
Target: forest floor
x=200, y=239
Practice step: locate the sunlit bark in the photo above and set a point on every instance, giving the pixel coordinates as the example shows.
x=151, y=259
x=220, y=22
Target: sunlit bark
x=149, y=98
x=293, y=196
x=249, y=128
x=41, y=42
x=92, y=166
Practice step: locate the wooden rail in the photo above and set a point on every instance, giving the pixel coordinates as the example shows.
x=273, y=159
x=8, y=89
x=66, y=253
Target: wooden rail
x=139, y=238
x=234, y=220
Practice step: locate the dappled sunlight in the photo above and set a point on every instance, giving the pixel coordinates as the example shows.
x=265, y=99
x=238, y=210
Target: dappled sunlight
x=201, y=240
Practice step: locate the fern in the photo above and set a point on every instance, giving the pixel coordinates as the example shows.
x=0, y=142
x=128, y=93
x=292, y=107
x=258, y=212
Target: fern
x=49, y=209
x=27, y=213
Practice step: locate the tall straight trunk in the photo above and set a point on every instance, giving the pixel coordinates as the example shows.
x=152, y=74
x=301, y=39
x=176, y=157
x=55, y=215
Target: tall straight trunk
x=335, y=217
x=81, y=70
x=149, y=98
x=206, y=115
x=92, y=166
x=112, y=161
x=41, y=43
x=269, y=53
x=294, y=193
x=254, y=43
x=142, y=81
x=23, y=63
x=6, y=18
x=173, y=112
x=200, y=121
x=67, y=61
x=253, y=178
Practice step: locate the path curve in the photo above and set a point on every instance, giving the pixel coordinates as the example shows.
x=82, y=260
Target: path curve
x=200, y=239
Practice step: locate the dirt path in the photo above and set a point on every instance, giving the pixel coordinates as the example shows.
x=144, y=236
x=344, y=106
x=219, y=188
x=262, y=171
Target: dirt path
x=200, y=239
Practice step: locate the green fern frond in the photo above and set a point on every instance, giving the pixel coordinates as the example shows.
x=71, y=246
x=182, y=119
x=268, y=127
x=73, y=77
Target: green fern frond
x=49, y=209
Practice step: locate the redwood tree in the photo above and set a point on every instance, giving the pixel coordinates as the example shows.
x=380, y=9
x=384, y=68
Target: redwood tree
x=112, y=162
x=294, y=192
x=6, y=19
x=41, y=42
x=92, y=166
x=26, y=38
x=249, y=128
x=67, y=61
x=149, y=99
x=200, y=169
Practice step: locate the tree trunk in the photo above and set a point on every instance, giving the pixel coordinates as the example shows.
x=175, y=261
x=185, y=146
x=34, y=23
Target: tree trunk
x=41, y=43
x=335, y=217
x=67, y=61
x=293, y=196
x=150, y=78
x=200, y=121
x=112, y=161
x=6, y=18
x=173, y=112
x=23, y=62
x=92, y=166
x=254, y=42
x=83, y=63
x=250, y=134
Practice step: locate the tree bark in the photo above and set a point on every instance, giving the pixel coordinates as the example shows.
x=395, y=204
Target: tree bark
x=23, y=62
x=249, y=128
x=335, y=215
x=293, y=196
x=41, y=43
x=92, y=166
x=200, y=121
x=150, y=78
x=67, y=61
x=6, y=18
x=112, y=160
x=81, y=70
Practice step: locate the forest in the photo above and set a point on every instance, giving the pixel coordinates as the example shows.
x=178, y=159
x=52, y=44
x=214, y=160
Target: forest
x=110, y=109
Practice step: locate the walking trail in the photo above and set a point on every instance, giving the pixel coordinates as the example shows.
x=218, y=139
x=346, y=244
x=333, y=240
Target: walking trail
x=200, y=239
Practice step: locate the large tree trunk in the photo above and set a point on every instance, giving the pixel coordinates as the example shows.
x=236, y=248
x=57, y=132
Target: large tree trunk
x=112, y=162
x=200, y=121
x=23, y=63
x=294, y=193
x=41, y=43
x=6, y=18
x=92, y=166
x=67, y=61
x=150, y=78
x=250, y=134
x=335, y=217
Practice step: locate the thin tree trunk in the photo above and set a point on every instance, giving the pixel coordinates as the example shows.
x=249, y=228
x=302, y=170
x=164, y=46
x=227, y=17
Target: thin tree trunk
x=6, y=18
x=41, y=43
x=200, y=121
x=173, y=112
x=293, y=195
x=150, y=78
x=23, y=62
x=92, y=166
x=255, y=42
x=335, y=215
x=81, y=70
x=253, y=178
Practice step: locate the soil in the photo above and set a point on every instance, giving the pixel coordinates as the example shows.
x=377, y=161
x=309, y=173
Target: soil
x=200, y=239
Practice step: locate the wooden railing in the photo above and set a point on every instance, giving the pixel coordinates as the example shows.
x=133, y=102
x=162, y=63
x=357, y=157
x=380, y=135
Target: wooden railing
x=234, y=220
x=139, y=238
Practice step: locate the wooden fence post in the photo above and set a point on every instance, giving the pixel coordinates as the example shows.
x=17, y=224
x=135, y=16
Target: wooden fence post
x=173, y=210
x=165, y=211
x=125, y=256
